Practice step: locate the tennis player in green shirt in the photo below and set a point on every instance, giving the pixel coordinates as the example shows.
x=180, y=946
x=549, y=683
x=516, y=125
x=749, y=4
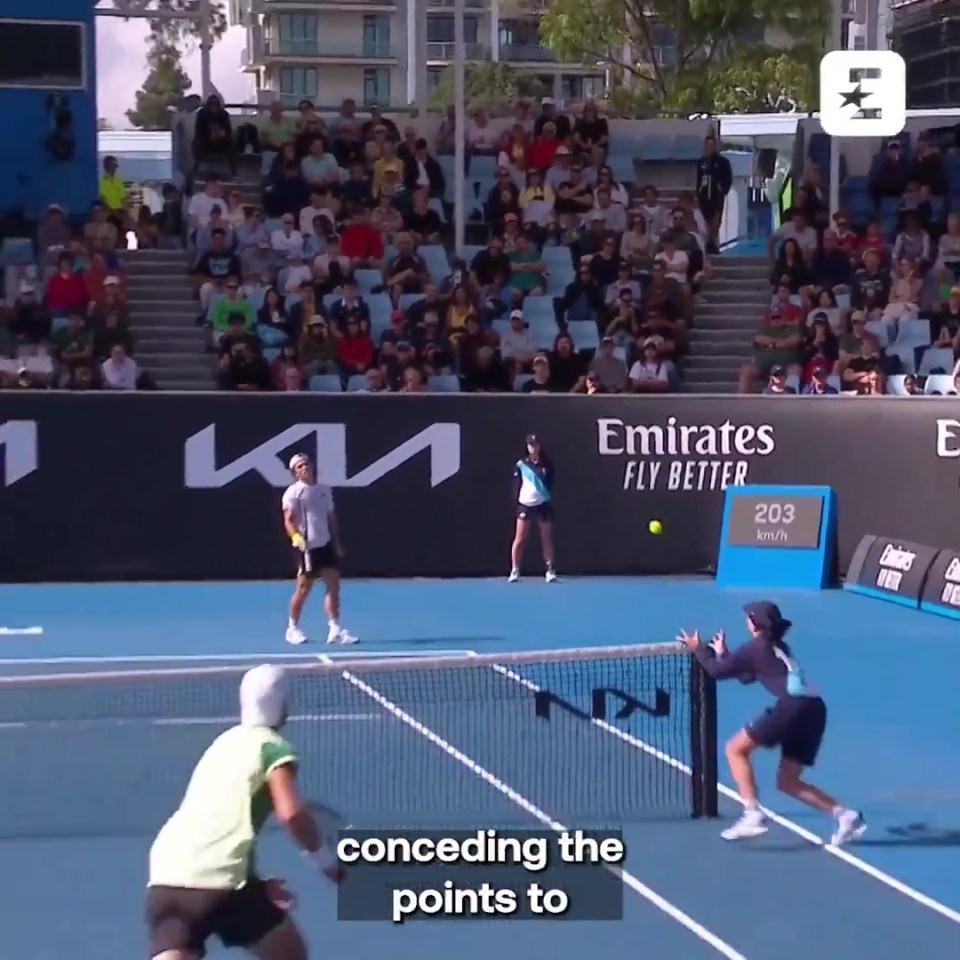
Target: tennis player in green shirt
x=203, y=882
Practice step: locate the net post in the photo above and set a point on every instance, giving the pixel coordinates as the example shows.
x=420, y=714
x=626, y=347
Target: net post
x=703, y=726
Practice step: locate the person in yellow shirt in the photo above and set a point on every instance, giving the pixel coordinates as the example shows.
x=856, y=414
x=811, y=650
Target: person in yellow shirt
x=203, y=880
x=113, y=194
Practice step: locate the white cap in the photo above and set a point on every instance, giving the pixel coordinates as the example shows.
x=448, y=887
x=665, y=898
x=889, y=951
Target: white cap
x=263, y=696
x=297, y=459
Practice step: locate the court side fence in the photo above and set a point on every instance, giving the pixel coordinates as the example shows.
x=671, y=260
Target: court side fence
x=187, y=486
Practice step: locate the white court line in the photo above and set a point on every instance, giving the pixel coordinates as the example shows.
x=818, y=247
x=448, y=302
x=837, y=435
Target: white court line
x=225, y=657
x=190, y=721
x=841, y=854
x=21, y=631
x=628, y=879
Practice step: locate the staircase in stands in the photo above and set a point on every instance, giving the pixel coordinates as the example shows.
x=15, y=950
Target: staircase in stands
x=168, y=343
x=163, y=311
x=726, y=317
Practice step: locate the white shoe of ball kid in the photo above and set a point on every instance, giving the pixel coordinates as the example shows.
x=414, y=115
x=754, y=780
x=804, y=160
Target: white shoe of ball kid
x=295, y=635
x=751, y=824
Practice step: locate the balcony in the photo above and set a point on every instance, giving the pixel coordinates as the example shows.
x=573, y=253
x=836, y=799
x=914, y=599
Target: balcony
x=447, y=51
x=251, y=56
x=378, y=52
x=526, y=53
x=449, y=4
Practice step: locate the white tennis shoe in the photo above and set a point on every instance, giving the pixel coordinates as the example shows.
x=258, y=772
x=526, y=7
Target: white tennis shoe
x=752, y=824
x=295, y=635
x=551, y=575
x=514, y=576
x=341, y=636
x=850, y=826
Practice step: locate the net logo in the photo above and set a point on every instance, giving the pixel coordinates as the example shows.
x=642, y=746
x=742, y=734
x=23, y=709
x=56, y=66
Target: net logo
x=676, y=456
x=327, y=443
x=545, y=700
x=950, y=595
x=19, y=441
x=894, y=563
x=863, y=93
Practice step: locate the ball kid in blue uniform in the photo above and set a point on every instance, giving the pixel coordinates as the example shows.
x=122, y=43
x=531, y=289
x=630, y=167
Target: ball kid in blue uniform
x=534, y=498
x=795, y=723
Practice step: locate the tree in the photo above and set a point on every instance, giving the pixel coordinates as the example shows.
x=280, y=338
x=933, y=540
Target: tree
x=693, y=55
x=487, y=85
x=184, y=33
x=165, y=84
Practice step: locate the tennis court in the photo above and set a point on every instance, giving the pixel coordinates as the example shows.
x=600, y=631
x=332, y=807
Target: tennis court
x=75, y=888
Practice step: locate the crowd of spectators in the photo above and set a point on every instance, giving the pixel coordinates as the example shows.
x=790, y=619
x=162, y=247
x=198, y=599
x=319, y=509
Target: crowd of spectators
x=63, y=315
x=869, y=307
x=341, y=277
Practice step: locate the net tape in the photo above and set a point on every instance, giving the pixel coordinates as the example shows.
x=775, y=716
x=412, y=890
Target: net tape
x=112, y=751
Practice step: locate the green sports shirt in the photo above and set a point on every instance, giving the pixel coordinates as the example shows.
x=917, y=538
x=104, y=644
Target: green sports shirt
x=209, y=843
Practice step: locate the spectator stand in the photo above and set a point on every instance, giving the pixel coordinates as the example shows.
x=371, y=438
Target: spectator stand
x=872, y=296
x=419, y=322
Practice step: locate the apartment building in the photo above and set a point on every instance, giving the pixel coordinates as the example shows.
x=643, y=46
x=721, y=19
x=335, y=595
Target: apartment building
x=390, y=52
x=926, y=33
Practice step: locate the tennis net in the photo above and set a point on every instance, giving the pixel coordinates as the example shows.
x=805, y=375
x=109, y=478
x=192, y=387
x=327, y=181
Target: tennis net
x=598, y=736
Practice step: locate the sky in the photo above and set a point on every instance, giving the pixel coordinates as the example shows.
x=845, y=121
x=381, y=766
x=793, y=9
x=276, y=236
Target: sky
x=121, y=67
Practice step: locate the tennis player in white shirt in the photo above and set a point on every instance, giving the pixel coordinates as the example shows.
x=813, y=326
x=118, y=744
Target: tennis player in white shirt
x=311, y=524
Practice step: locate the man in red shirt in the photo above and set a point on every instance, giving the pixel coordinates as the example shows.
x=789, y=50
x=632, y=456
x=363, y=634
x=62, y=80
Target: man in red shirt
x=361, y=242
x=66, y=292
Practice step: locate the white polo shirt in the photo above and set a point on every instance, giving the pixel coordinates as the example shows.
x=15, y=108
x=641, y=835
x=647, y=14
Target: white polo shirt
x=311, y=505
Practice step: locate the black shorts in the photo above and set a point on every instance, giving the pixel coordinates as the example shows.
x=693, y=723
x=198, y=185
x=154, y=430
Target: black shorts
x=184, y=919
x=541, y=513
x=796, y=725
x=311, y=562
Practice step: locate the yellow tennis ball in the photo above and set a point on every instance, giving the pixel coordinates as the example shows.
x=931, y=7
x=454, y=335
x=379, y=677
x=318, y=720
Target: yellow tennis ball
x=655, y=526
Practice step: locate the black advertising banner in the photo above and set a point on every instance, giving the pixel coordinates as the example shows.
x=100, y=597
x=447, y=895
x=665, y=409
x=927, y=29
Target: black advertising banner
x=187, y=486
x=942, y=589
x=895, y=569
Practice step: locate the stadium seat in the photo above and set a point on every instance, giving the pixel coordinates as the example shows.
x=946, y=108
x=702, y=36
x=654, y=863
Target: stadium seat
x=794, y=381
x=357, y=382
x=895, y=385
x=271, y=353
x=17, y=251
x=435, y=257
x=444, y=384
x=271, y=336
x=367, y=280
x=482, y=167
x=913, y=331
x=544, y=330
x=521, y=379
x=940, y=383
x=584, y=334
x=936, y=359
x=325, y=383
x=407, y=300
x=470, y=250
x=881, y=330
x=835, y=382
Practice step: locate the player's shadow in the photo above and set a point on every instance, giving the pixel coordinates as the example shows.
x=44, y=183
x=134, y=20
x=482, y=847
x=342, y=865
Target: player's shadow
x=440, y=641
x=914, y=835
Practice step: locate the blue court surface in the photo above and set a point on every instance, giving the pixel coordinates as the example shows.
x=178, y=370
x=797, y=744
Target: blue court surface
x=889, y=676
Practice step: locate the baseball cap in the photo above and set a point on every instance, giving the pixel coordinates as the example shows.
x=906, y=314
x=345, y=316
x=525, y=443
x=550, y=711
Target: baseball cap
x=778, y=370
x=532, y=438
x=516, y=314
x=547, y=102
